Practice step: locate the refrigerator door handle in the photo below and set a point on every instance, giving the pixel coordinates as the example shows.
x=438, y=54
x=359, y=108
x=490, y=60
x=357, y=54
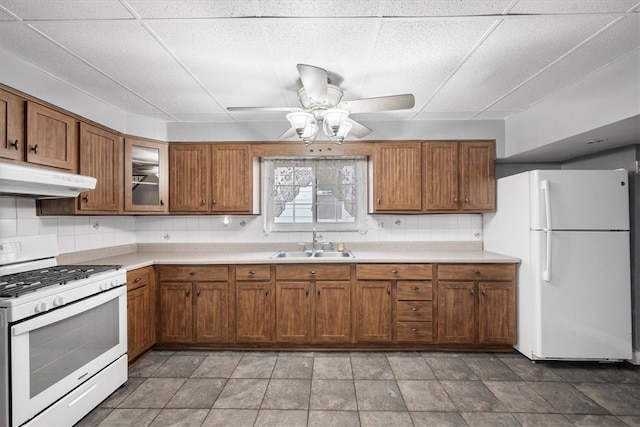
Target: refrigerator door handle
x=544, y=186
x=546, y=272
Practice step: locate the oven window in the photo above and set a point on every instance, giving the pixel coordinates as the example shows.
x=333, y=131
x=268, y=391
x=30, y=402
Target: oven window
x=58, y=349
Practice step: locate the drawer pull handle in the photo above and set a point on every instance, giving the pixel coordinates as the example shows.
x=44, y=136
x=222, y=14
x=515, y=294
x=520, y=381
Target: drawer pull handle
x=415, y=330
x=35, y=149
x=192, y=273
x=312, y=272
x=137, y=279
x=252, y=272
x=414, y=288
x=477, y=272
x=415, y=308
x=15, y=144
x=394, y=271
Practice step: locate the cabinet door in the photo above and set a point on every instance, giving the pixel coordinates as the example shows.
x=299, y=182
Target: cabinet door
x=101, y=157
x=332, y=311
x=52, y=138
x=146, y=172
x=138, y=321
x=456, y=312
x=12, y=117
x=441, y=176
x=397, y=177
x=293, y=312
x=232, y=171
x=373, y=311
x=254, y=308
x=176, y=312
x=189, y=178
x=212, y=313
x=496, y=313
x=477, y=173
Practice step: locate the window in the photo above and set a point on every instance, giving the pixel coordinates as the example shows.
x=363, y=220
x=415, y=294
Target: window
x=322, y=193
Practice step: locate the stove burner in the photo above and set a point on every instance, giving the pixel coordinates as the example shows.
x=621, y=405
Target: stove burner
x=15, y=285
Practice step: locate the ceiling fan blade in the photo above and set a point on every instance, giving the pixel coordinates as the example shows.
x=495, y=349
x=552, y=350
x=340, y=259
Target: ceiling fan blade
x=358, y=129
x=288, y=134
x=381, y=103
x=288, y=109
x=314, y=80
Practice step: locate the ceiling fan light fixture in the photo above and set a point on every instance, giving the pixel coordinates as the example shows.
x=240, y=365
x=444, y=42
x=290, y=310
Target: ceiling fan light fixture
x=300, y=120
x=334, y=118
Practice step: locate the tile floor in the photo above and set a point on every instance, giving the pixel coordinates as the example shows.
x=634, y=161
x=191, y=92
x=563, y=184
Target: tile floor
x=369, y=389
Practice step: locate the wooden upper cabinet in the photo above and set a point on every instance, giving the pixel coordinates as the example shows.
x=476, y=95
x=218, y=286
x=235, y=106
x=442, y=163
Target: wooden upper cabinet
x=146, y=172
x=12, y=129
x=189, y=178
x=52, y=138
x=459, y=176
x=477, y=175
x=397, y=177
x=441, y=176
x=232, y=183
x=101, y=157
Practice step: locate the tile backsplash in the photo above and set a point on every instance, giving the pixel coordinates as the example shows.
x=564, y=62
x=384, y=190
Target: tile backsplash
x=79, y=233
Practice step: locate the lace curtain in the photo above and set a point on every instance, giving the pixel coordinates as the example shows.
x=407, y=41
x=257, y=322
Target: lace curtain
x=343, y=177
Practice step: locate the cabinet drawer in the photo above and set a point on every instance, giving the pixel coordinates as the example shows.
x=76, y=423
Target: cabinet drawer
x=415, y=311
x=193, y=273
x=313, y=271
x=137, y=278
x=394, y=271
x=414, y=331
x=477, y=272
x=253, y=272
x=414, y=290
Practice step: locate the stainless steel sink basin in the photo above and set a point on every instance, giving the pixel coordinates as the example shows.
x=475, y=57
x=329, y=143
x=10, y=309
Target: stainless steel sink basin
x=309, y=254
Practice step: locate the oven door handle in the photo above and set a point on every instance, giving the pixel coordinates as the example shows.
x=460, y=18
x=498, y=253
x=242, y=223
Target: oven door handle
x=64, y=312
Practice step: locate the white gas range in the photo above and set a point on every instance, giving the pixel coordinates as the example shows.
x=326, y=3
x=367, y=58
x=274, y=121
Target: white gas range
x=63, y=337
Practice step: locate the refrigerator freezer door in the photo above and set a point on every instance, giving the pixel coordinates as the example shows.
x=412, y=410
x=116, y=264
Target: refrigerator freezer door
x=584, y=310
x=579, y=200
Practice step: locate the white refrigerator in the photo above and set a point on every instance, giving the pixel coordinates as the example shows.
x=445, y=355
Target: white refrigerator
x=570, y=228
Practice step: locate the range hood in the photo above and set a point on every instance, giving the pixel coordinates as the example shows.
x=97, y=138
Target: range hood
x=27, y=181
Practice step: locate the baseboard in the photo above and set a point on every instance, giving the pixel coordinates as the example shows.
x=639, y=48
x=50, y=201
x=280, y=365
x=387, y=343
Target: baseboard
x=635, y=358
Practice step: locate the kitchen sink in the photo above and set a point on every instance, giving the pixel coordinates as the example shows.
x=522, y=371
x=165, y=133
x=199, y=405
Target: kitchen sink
x=309, y=254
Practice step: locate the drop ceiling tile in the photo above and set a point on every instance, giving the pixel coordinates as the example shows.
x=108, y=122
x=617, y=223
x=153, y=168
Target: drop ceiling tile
x=192, y=9
x=143, y=66
x=229, y=56
x=494, y=115
x=443, y=7
x=612, y=44
x=317, y=8
x=26, y=44
x=516, y=50
x=573, y=6
x=343, y=47
x=417, y=56
x=67, y=9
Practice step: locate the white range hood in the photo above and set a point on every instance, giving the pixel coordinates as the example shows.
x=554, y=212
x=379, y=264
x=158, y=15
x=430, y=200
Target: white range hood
x=26, y=181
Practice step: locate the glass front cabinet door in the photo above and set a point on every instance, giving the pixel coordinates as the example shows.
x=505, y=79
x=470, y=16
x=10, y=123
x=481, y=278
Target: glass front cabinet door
x=146, y=176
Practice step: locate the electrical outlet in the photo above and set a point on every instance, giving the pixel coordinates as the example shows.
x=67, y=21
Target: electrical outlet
x=476, y=234
x=380, y=225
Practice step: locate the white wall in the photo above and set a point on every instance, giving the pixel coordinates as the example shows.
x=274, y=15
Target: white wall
x=77, y=233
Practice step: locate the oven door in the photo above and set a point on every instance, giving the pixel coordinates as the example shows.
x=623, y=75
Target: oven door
x=54, y=353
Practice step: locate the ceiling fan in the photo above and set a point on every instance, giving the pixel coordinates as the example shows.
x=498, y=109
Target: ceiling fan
x=322, y=107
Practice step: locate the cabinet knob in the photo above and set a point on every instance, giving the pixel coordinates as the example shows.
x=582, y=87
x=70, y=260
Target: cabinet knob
x=471, y=292
x=137, y=279
x=161, y=202
x=312, y=272
x=415, y=308
x=414, y=288
x=477, y=272
x=192, y=273
x=455, y=200
x=187, y=293
x=379, y=201
x=394, y=271
x=252, y=272
x=198, y=293
x=388, y=291
x=415, y=329
x=266, y=292
x=306, y=292
x=466, y=200
x=35, y=149
x=483, y=292
x=213, y=202
x=85, y=198
x=318, y=292
x=15, y=144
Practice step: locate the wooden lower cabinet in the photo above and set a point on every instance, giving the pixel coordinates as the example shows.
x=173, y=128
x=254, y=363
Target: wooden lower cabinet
x=477, y=303
x=140, y=311
x=373, y=311
x=254, y=312
x=196, y=308
x=310, y=307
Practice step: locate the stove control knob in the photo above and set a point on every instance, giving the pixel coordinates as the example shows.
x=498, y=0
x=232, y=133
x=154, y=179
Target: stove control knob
x=114, y=283
x=58, y=301
x=41, y=306
x=104, y=286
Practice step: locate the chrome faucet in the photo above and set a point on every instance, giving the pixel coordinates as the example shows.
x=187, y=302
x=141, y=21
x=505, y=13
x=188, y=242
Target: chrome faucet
x=316, y=239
